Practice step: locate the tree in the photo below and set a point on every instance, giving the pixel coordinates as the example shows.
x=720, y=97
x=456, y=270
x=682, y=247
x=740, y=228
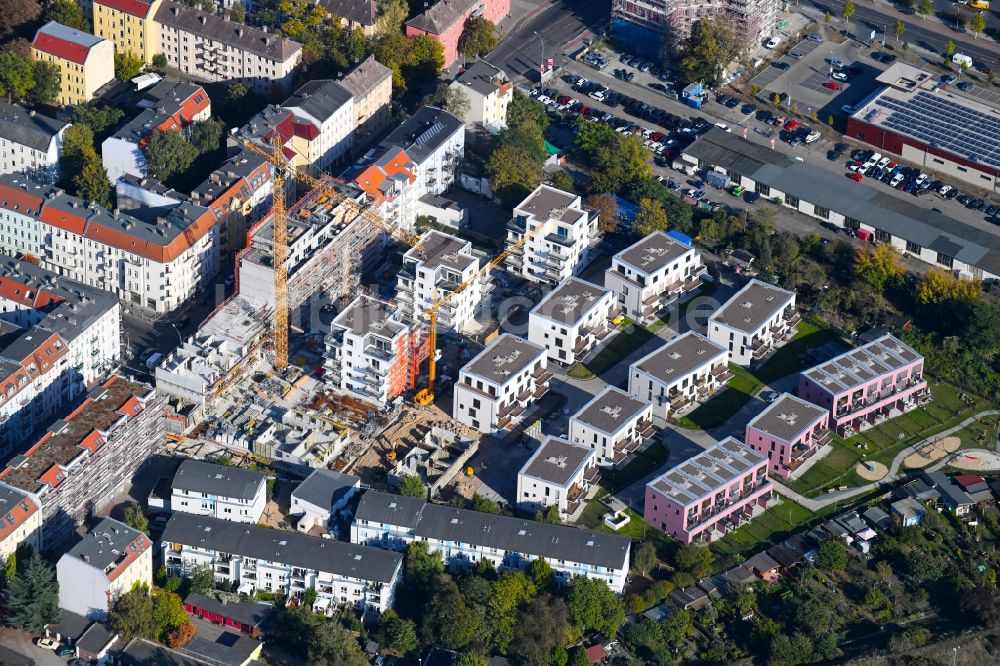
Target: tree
x=17, y=76
x=356, y=48
x=607, y=212
x=238, y=13
x=330, y=644
x=180, y=636
x=977, y=25
x=98, y=117
x=790, y=650
x=651, y=217
x=513, y=173
x=644, y=558
x=483, y=504
x=398, y=633
x=412, y=486
x=549, y=514
x=899, y=29
x=508, y=593
x=168, y=615
x=168, y=154
x=14, y=13
x=827, y=17
x=711, y=46
x=127, y=66
x=848, y=11
x=135, y=518
x=202, y=579
x=528, y=137
x=541, y=630
x=48, y=82
x=696, y=560
x=424, y=58
x=456, y=101
x=446, y=618
x=479, y=37
x=832, y=555
x=207, y=135
x=159, y=62
x=32, y=595
x=925, y=9
x=132, y=614
x=879, y=267
x=67, y=12
x=541, y=575
x=593, y=605
x=472, y=659
x=522, y=108
x=677, y=628
x=563, y=181
x=949, y=49
x=392, y=16
x=977, y=603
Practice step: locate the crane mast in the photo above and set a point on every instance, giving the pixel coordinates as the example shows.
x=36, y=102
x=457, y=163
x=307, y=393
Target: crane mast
x=279, y=258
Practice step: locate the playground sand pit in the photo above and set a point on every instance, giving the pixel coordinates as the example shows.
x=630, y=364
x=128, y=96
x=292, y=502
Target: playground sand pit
x=977, y=460
x=932, y=452
x=871, y=471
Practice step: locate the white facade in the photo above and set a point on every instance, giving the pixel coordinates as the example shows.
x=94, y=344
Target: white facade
x=435, y=141
x=227, y=493
x=496, y=388
x=489, y=91
x=22, y=524
x=30, y=143
x=614, y=424
x=557, y=474
x=649, y=276
x=329, y=107
x=686, y=370
x=758, y=319
x=562, y=236
x=571, y=320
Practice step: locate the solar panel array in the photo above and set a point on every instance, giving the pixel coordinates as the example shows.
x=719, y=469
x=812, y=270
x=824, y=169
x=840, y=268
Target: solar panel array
x=946, y=125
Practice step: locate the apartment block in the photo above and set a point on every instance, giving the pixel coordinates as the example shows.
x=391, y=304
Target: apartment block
x=614, y=424
x=789, y=432
x=110, y=560
x=21, y=200
x=130, y=24
x=20, y=521
x=89, y=455
x=276, y=561
x=329, y=107
x=85, y=62
x=432, y=270
x=389, y=181
x=465, y=537
x=571, y=320
x=560, y=474
x=754, y=323
x=649, y=277
x=562, y=236
x=371, y=353
x=707, y=496
x=57, y=339
x=445, y=22
x=489, y=91
x=435, y=141
x=212, y=48
x=325, y=493
x=226, y=492
x=687, y=370
x=30, y=143
x=168, y=106
x=652, y=26
x=867, y=385
x=370, y=86
x=355, y=14
x=497, y=387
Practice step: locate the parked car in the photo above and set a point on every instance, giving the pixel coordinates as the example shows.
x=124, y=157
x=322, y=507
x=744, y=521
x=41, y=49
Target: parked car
x=839, y=76
x=814, y=38
x=965, y=86
x=855, y=176
x=782, y=65
x=46, y=643
x=949, y=79
x=769, y=396
x=772, y=43
x=832, y=85
x=748, y=109
x=65, y=651
x=834, y=62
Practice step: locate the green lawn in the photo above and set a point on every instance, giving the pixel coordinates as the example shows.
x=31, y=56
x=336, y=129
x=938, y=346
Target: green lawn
x=792, y=357
x=721, y=407
x=772, y=526
x=644, y=463
x=637, y=528
x=623, y=344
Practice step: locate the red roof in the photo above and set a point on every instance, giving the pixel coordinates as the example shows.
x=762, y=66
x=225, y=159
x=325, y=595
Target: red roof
x=596, y=653
x=133, y=7
x=132, y=553
x=969, y=480
x=61, y=48
x=93, y=441
x=65, y=220
x=20, y=512
x=19, y=201
x=132, y=407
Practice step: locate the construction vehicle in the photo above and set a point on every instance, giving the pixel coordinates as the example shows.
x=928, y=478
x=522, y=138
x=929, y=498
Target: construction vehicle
x=978, y=5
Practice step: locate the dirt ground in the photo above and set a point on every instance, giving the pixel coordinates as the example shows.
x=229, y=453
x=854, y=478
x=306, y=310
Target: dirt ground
x=872, y=471
x=932, y=452
x=977, y=460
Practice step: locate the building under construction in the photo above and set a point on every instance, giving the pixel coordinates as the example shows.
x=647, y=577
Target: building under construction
x=328, y=244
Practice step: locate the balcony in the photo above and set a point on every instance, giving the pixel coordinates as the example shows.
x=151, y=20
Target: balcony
x=378, y=352
x=793, y=319
x=678, y=400
x=822, y=438
x=691, y=284
x=800, y=454
x=592, y=474
x=581, y=344
x=565, y=241
x=722, y=373
x=540, y=391
x=541, y=375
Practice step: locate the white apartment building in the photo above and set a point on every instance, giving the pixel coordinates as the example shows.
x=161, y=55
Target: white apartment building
x=316, y=501
x=687, y=370
x=57, y=338
x=571, y=320
x=389, y=179
x=21, y=201
x=614, y=424
x=496, y=388
x=465, y=537
x=752, y=324
x=20, y=521
x=432, y=270
x=558, y=474
x=649, y=276
x=370, y=351
x=30, y=143
x=229, y=493
x=212, y=48
x=329, y=108
x=276, y=561
x=489, y=91
x=435, y=141
x=109, y=561
x=562, y=236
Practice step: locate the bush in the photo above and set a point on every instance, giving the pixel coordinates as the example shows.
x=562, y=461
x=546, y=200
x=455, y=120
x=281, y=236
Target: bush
x=180, y=636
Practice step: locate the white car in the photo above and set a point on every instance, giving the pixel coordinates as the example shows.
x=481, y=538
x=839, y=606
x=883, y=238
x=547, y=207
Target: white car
x=772, y=43
x=920, y=179
x=945, y=189
x=896, y=180
x=543, y=99
x=883, y=162
x=838, y=76
x=812, y=137
x=47, y=643
x=597, y=94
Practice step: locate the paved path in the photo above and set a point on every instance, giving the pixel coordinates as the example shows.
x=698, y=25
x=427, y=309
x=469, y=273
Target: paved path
x=892, y=477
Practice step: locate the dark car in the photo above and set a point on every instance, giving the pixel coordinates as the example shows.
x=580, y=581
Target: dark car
x=965, y=199
x=950, y=194
x=965, y=86
x=748, y=109
x=751, y=197
x=764, y=115
x=732, y=103
x=65, y=651
x=781, y=65
x=722, y=99
x=659, y=87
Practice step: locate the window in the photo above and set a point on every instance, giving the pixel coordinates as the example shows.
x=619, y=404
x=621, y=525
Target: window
x=913, y=247
x=762, y=189
x=821, y=212
x=883, y=236
x=791, y=201
x=945, y=260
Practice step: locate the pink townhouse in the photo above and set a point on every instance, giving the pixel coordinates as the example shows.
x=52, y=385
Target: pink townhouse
x=867, y=385
x=710, y=494
x=445, y=21
x=789, y=432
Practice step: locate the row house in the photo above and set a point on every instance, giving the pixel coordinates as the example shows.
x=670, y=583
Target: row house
x=86, y=63
x=716, y=491
x=867, y=385
x=213, y=48
x=108, y=562
x=560, y=474
x=433, y=269
x=551, y=236
x=614, y=424
x=21, y=200
x=464, y=537
x=649, y=277
x=279, y=562
x=130, y=25
x=789, y=432
x=371, y=353
x=445, y=22
x=370, y=86
x=754, y=323
x=489, y=92
x=57, y=339
x=495, y=389
x=220, y=491
x=30, y=143
x=20, y=521
x=687, y=370
x=89, y=456
x=571, y=320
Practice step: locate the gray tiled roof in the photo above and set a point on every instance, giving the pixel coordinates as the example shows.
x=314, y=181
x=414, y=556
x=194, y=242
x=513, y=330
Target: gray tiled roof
x=95, y=639
x=325, y=487
x=219, y=480
x=364, y=12
x=389, y=509
x=366, y=75
x=321, y=99
x=482, y=77
x=327, y=555
x=787, y=417
x=557, y=461
x=28, y=128
x=250, y=613
x=679, y=357
x=504, y=358
x=215, y=27
x=571, y=300
x=752, y=306
x=441, y=15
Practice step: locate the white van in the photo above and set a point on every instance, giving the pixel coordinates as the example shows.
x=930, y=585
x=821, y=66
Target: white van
x=960, y=59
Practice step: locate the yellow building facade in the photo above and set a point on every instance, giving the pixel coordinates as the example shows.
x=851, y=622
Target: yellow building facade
x=85, y=62
x=130, y=25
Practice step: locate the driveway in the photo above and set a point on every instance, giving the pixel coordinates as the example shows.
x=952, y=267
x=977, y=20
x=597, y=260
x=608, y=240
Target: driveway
x=20, y=641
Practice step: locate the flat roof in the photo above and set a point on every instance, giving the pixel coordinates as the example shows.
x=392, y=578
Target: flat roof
x=653, y=252
x=570, y=301
x=110, y=547
x=440, y=250
x=504, y=358
x=548, y=202
x=679, y=357
x=752, y=306
x=708, y=472
x=857, y=367
x=368, y=315
x=557, y=461
x=610, y=410
x=787, y=417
